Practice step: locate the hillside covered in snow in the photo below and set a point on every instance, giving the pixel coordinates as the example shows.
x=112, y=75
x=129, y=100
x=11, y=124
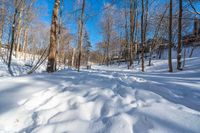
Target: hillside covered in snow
x=103, y=99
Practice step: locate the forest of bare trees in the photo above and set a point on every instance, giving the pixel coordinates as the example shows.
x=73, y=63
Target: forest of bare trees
x=99, y=66
x=132, y=33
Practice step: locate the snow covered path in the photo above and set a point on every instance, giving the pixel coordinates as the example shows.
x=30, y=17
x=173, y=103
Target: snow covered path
x=101, y=101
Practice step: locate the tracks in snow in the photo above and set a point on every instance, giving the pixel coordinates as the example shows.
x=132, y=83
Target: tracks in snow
x=97, y=101
x=99, y=104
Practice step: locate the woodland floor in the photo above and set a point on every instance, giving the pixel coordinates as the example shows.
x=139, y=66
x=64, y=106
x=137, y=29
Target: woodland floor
x=103, y=100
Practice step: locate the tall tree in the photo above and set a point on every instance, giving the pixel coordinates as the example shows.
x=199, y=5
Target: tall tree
x=2, y=21
x=19, y=28
x=126, y=50
x=170, y=38
x=145, y=30
x=142, y=35
x=132, y=29
x=80, y=34
x=17, y=5
x=51, y=66
x=179, y=48
x=61, y=46
x=13, y=38
x=146, y=19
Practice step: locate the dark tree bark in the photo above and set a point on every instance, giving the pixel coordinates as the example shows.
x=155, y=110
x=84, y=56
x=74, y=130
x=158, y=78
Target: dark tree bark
x=179, y=48
x=142, y=35
x=191, y=53
x=170, y=39
x=51, y=66
x=12, y=39
x=145, y=21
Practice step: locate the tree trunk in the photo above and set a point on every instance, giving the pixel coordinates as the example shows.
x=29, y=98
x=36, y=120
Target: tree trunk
x=142, y=35
x=145, y=19
x=8, y=41
x=126, y=36
x=60, y=38
x=12, y=40
x=170, y=39
x=132, y=29
x=145, y=25
x=80, y=36
x=150, y=55
x=107, y=47
x=179, y=49
x=2, y=24
x=19, y=30
x=191, y=53
x=73, y=57
x=184, y=57
x=51, y=66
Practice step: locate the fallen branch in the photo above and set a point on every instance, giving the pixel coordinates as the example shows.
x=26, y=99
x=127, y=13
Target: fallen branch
x=39, y=62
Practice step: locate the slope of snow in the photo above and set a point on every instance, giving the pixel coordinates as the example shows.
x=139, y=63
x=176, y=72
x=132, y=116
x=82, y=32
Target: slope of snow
x=103, y=100
x=19, y=66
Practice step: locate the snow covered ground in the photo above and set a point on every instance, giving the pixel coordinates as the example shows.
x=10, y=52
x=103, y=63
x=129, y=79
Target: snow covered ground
x=19, y=66
x=103, y=100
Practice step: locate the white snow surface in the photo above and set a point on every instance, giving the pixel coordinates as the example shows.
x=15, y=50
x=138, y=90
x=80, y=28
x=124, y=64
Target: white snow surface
x=103, y=100
x=19, y=66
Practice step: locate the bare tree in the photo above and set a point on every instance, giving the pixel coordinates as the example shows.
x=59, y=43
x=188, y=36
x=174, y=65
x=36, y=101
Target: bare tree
x=17, y=6
x=170, y=39
x=126, y=36
x=179, y=48
x=2, y=21
x=142, y=35
x=80, y=34
x=193, y=7
x=19, y=30
x=155, y=40
x=51, y=66
x=132, y=29
x=145, y=28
